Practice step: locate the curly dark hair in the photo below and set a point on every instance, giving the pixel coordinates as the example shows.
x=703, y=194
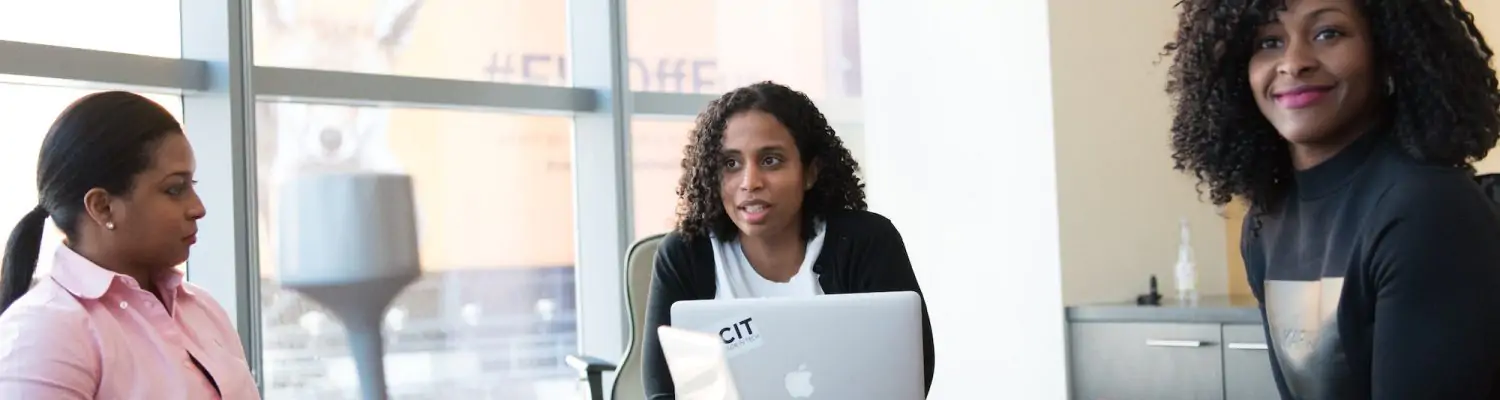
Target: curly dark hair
x=1445, y=109
x=700, y=209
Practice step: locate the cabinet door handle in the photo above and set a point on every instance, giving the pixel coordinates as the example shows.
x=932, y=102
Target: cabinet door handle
x=1247, y=346
x=1174, y=343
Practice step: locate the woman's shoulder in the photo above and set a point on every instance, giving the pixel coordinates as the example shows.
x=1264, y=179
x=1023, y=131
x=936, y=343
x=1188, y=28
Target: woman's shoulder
x=46, y=315
x=1421, y=190
x=1425, y=200
x=50, y=336
x=46, y=302
x=677, y=244
x=860, y=223
x=1407, y=178
x=679, y=250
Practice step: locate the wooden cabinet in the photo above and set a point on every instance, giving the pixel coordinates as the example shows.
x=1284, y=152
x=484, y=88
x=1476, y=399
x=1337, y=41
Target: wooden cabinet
x=1138, y=360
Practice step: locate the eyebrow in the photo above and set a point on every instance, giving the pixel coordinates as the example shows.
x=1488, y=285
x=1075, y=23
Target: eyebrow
x=761, y=150
x=1325, y=10
x=188, y=175
x=1276, y=16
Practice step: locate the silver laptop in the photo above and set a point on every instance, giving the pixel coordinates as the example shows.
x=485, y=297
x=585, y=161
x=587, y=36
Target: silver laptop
x=847, y=346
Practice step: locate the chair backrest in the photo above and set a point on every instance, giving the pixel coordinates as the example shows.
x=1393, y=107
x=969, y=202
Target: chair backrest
x=639, y=262
x=1490, y=184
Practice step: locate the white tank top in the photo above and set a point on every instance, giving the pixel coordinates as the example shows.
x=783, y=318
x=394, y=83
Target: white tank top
x=737, y=279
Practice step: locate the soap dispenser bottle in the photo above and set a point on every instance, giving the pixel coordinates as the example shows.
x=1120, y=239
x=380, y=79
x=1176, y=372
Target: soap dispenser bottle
x=1186, y=268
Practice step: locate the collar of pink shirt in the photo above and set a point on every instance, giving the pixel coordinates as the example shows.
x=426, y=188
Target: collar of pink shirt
x=89, y=332
x=86, y=280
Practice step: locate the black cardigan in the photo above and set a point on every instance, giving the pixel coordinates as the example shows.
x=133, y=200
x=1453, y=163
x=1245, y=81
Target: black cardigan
x=862, y=252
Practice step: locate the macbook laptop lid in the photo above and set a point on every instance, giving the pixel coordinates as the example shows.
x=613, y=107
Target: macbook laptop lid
x=846, y=346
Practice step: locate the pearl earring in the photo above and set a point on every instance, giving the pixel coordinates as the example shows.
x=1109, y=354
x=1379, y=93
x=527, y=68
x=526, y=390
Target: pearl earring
x=109, y=225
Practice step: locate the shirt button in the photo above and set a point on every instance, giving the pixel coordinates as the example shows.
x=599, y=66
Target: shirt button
x=124, y=305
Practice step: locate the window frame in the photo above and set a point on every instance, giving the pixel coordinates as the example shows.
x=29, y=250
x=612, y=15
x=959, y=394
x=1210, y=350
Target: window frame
x=220, y=84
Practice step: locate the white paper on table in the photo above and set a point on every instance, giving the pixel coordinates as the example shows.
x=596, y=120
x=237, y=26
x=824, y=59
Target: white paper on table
x=699, y=367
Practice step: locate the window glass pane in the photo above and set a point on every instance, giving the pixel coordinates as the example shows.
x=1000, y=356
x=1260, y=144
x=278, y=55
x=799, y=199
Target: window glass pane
x=493, y=315
x=27, y=112
x=485, y=40
x=712, y=46
x=148, y=27
x=656, y=149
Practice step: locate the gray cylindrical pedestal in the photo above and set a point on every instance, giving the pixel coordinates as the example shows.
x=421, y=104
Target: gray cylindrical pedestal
x=361, y=306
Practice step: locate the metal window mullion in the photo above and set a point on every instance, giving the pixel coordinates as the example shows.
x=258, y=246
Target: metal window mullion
x=86, y=67
x=220, y=124
x=601, y=173
x=669, y=104
x=361, y=89
x=840, y=110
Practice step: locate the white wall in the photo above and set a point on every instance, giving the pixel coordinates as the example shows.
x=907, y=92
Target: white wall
x=1118, y=197
x=1487, y=17
x=959, y=140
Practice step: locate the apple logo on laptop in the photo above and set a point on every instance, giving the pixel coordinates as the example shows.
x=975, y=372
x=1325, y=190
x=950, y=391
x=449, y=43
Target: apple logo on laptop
x=799, y=382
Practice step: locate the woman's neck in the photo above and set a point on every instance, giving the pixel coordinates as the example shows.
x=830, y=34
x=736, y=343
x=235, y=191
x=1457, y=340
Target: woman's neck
x=145, y=277
x=776, y=257
x=1308, y=155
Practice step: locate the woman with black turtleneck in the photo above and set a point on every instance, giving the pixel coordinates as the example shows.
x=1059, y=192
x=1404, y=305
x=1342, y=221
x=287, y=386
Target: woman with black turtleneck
x=1349, y=127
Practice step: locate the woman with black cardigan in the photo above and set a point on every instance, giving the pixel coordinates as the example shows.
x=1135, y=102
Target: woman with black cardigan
x=771, y=206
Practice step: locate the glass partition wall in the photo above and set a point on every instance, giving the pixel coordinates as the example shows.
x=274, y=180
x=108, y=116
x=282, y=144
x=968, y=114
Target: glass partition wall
x=543, y=137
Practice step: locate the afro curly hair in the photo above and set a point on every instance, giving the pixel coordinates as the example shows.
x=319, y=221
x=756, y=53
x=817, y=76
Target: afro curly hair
x=1444, y=108
x=700, y=208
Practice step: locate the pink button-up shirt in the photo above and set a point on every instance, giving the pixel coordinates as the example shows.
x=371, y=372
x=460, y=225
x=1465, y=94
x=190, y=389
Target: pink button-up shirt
x=88, y=333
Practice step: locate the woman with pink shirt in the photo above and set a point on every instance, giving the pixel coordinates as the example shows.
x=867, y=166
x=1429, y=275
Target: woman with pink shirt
x=116, y=319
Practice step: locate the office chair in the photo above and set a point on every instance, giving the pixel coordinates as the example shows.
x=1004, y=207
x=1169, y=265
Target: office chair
x=639, y=262
x=1490, y=184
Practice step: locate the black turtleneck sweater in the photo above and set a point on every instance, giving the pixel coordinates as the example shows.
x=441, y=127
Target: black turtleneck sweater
x=1379, y=278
